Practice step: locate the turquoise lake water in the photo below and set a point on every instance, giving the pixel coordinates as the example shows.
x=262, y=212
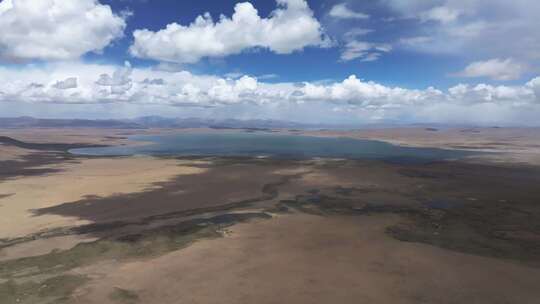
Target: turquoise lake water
x=271, y=145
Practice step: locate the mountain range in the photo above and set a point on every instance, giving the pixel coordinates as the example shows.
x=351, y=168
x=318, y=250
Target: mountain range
x=152, y=122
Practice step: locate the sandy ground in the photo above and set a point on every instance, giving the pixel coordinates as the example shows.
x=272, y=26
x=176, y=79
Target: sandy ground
x=12, y=153
x=311, y=259
x=294, y=257
x=515, y=145
x=43, y=246
x=77, y=180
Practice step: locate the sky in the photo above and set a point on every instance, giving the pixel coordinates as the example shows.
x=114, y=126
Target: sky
x=312, y=61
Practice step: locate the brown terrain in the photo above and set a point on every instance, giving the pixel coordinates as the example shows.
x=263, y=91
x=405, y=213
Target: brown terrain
x=246, y=230
x=515, y=145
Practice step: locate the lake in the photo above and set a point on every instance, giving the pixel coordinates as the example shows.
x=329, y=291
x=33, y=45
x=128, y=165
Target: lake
x=271, y=145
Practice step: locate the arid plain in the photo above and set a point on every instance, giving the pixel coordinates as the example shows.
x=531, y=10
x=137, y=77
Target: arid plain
x=143, y=229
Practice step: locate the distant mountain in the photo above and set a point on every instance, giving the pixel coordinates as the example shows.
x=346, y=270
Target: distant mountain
x=161, y=122
x=146, y=122
x=30, y=122
x=153, y=122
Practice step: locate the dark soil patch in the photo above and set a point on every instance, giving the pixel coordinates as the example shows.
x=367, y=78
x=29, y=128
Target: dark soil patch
x=479, y=209
x=5, y=195
x=218, y=188
x=44, y=146
x=29, y=165
x=124, y=296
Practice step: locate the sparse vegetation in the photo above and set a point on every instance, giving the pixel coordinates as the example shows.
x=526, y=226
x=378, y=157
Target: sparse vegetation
x=23, y=278
x=123, y=296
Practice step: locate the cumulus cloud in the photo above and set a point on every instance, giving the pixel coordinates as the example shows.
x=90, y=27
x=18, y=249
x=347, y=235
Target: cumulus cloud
x=290, y=27
x=120, y=76
x=483, y=93
x=353, y=91
x=119, y=83
x=69, y=83
x=497, y=69
x=341, y=11
x=56, y=29
x=534, y=85
x=352, y=97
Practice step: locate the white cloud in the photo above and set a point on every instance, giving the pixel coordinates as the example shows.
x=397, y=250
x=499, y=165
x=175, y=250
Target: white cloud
x=291, y=27
x=268, y=76
x=441, y=14
x=155, y=81
x=479, y=28
x=237, y=75
x=351, y=98
x=366, y=51
x=353, y=43
x=353, y=91
x=120, y=82
x=341, y=11
x=234, y=75
x=56, y=29
x=496, y=69
x=68, y=83
x=483, y=93
x=356, y=32
x=415, y=41
x=534, y=85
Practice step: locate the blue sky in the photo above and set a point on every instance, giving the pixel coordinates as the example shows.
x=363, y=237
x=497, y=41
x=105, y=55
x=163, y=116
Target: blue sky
x=448, y=61
x=312, y=63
